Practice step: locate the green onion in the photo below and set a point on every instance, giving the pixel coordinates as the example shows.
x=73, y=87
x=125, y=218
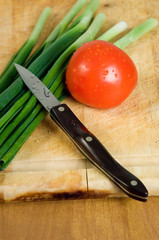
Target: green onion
x=10, y=119
x=10, y=72
x=91, y=7
x=61, y=27
x=6, y=109
x=113, y=31
x=9, y=115
x=23, y=135
x=136, y=33
x=12, y=59
x=58, y=30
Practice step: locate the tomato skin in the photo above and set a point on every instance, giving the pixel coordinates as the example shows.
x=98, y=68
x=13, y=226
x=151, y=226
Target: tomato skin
x=100, y=75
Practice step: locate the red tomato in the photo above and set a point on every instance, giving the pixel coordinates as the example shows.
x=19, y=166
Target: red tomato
x=100, y=75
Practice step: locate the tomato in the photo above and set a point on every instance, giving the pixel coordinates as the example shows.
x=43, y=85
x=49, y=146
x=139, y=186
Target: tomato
x=100, y=75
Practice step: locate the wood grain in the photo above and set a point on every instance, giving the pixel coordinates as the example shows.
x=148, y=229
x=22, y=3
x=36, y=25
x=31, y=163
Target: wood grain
x=98, y=219
x=130, y=131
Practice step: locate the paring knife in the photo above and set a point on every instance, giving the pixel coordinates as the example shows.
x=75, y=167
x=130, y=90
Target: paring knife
x=84, y=140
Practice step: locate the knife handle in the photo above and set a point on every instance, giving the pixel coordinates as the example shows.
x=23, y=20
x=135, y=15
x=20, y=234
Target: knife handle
x=92, y=149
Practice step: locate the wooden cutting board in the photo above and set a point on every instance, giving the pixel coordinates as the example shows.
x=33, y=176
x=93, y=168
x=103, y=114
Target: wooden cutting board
x=49, y=166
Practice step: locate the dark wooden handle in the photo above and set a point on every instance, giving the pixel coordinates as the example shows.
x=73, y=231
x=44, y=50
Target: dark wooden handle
x=91, y=147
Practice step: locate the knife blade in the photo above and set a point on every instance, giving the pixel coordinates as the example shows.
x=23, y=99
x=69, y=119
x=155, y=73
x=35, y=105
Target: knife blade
x=84, y=140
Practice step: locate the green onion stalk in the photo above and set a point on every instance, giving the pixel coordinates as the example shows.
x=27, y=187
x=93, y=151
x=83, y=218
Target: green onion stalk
x=60, y=28
x=136, y=33
x=92, y=6
x=22, y=54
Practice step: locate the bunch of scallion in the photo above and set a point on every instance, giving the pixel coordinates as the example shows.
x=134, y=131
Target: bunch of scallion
x=20, y=112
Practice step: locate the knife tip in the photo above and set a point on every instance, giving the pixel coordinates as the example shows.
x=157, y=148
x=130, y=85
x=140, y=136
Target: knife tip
x=17, y=65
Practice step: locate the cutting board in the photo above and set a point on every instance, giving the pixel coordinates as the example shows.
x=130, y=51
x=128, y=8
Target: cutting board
x=49, y=166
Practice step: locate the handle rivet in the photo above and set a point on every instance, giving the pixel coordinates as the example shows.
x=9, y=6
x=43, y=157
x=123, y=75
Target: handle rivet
x=133, y=182
x=89, y=139
x=61, y=109
x=73, y=122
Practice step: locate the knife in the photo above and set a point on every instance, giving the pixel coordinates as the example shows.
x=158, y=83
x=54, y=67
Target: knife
x=84, y=140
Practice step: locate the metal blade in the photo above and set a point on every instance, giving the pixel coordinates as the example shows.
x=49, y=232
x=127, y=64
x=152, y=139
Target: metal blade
x=41, y=92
